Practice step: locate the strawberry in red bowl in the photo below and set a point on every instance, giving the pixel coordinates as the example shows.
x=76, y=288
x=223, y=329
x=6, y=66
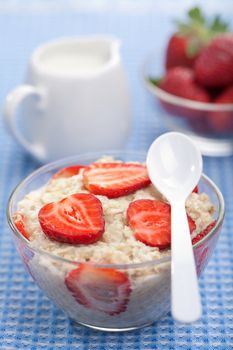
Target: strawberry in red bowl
x=96, y=238
x=193, y=82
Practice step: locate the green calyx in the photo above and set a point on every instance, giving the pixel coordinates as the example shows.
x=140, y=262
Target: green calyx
x=199, y=30
x=155, y=81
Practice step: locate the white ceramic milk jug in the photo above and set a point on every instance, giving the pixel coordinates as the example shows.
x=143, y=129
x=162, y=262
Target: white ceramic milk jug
x=80, y=99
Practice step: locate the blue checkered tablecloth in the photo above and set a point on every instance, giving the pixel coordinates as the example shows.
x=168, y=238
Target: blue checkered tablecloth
x=28, y=320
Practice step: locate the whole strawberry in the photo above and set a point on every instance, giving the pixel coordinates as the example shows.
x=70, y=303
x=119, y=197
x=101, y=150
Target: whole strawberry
x=178, y=52
x=214, y=66
x=222, y=121
x=191, y=36
x=180, y=81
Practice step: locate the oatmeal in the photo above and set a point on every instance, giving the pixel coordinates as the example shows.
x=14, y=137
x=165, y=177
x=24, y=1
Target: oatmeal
x=118, y=244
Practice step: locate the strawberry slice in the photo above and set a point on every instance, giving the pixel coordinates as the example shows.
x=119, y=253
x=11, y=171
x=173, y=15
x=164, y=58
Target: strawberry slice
x=77, y=219
x=195, y=190
x=151, y=222
x=203, y=233
x=102, y=289
x=19, y=221
x=115, y=179
x=68, y=172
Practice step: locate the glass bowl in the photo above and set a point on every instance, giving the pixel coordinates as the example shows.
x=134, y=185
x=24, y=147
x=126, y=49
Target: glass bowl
x=209, y=124
x=149, y=297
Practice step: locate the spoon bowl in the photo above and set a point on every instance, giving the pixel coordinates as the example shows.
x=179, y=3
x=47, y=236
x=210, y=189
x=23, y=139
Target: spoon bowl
x=174, y=165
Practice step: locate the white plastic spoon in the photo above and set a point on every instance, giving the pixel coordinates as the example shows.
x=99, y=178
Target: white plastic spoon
x=175, y=166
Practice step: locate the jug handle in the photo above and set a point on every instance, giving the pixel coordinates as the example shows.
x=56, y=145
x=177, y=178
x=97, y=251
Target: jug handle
x=13, y=100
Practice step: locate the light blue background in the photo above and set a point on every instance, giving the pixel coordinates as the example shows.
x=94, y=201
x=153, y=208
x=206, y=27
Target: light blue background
x=28, y=320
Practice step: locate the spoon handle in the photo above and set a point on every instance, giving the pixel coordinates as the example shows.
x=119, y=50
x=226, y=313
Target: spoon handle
x=185, y=299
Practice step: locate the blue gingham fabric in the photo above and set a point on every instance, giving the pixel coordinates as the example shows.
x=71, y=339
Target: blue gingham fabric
x=28, y=320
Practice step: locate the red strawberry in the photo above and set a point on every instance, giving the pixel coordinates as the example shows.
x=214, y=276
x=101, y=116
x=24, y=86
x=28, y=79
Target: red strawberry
x=19, y=221
x=68, y=172
x=177, y=52
x=203, y=233
x=191, y=36
x=102, y=289
x=195, y=190
x=151, y=222
x=115, y=179
x=77, y=219
x=179, y=81
x=222, y=121
x=226, y=96
x=214, y=66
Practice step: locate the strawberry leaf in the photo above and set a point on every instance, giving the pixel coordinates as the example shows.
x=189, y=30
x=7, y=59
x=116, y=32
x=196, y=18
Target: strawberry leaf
x=155, y=81
x=218, y=25
x=199, y=30
x=183, y=28
x=195, y=14
x=193, y=47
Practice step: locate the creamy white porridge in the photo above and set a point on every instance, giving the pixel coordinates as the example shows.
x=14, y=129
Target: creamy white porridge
x=118, y=244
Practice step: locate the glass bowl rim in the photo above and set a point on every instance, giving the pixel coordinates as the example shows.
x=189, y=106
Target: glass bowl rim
x=95, y=155
x=178, y=101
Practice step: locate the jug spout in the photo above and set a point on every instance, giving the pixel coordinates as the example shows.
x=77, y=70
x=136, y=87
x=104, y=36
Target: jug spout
x=103, y=50
x=111, y=46
x=106, y=49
